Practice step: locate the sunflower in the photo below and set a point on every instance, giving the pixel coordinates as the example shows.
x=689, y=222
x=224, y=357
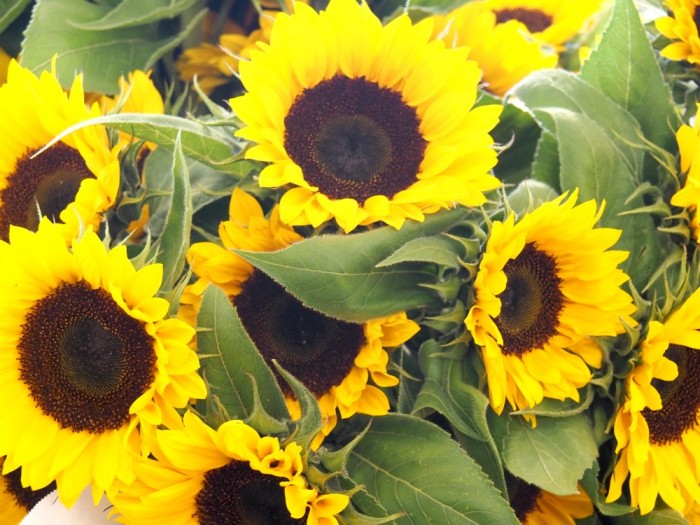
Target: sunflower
x=682, y=28
x=231, y=475
x=339, y=107
x=15, y=500
x=4, y=65
x=688, y=139
x=657, y=427
x=333, y=358
x=88, y=364
x=534, y=506
x=75, y=180
x=546, y=286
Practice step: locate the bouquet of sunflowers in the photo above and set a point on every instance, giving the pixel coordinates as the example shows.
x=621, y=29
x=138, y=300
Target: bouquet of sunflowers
x=341, y=262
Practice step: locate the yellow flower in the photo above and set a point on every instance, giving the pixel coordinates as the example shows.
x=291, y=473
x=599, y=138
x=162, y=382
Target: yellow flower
x=546, y=286
x=15, y=500
x=682, y=28
x=88, y=363
x=231, y=475
x=657, y=429
x=340, y=108
x=688, y=139
x=534, y=506
x=75, y=180
x=333, y=358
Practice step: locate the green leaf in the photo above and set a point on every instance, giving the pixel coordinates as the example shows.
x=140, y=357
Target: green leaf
x=592, y=487
x=545, y=166
x=657, y=517
x=529, y=195
x=175, y=239
x=554, y=455
x=103, y=56
x=439, y=250
x=11, y=9
x=412, y=466
x=211, y=145
x=338, y=274
x=625, y=68
x=231, y=364
x=129, y=13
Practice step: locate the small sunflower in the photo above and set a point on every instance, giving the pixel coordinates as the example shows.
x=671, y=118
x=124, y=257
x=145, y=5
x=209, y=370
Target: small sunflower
x=546, y=286
x=15, y=499
x=505, y=53
x=340, y=108
x=688, y=139
x=333, y=358
x=75, y=180
x=534, y=506
x=657, y=427
x=88, y=364
x=231, y=475
x=682, y=28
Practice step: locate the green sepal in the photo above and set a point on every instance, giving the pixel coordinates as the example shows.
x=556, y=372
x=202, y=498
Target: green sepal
x=336, y=460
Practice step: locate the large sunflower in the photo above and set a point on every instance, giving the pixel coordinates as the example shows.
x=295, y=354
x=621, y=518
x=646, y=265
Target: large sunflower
x=546, y=286
x=231, y=475
x=76, y=179
x=341, y=109
x=688, y=139
x=15, y=500
x=87, y=363
x=682, y=28
x=333, y=358
x=657, y=427
x=534, y=506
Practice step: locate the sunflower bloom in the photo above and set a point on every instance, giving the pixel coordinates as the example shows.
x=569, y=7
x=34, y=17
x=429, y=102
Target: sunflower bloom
x=688, y=139
x=546, y=286
x=231, y=475
x=339, y=107
x=656, y=428
x=16, y=500
x=88, y=363
x=74, y=181
x=682, y=28
x=534, y=506
x=333, y=358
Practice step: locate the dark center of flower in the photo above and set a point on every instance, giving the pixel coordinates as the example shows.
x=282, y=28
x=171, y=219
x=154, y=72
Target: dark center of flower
x=44, y=185
x=316, y=349
x=235, y=494
x=531, y=302
x=535, y=20
x=84, y=359
x=354, y=139
x=680, y=398
x=24, y=497
x=522, y=496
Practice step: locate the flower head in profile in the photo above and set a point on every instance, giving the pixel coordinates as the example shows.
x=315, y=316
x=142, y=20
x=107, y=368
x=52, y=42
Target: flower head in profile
x=534, y=506
x=657, y=426
x=688, y=139
x=546, y=286
x=682, y=28
x=75, y=180
x=510, y=39
x=340, y=108
x=89, y=363
x=343, y=364
x=230, y=475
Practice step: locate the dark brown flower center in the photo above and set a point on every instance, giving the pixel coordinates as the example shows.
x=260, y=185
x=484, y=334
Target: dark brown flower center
x=354, y=139
x=680, y=398
x=522, y=496
x=318, y=350
x=44, y=185
x=531, y=302
x=238, y=495
x=535, y=20
x=24, y=497
x=84, y=359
